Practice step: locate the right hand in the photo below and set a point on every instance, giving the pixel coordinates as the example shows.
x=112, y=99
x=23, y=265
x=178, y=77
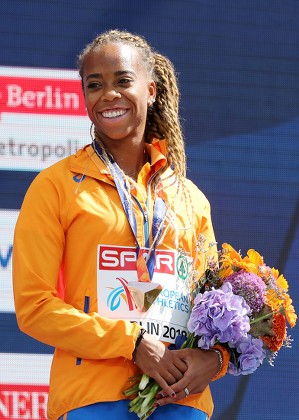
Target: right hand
x=165, y=366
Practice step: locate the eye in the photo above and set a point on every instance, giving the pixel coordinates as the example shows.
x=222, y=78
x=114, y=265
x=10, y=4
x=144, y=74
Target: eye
x=94, y=85
x=125, y=81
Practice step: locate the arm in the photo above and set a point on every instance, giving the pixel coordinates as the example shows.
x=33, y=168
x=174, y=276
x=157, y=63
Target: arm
x=39, y=247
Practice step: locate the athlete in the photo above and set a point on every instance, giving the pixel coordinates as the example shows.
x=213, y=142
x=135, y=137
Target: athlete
x=107, y=244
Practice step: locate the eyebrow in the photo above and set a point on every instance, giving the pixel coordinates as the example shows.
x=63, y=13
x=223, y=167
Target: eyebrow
x=116, y=73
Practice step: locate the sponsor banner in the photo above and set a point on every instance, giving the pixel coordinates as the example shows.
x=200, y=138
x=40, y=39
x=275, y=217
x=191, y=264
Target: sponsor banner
x=42, y=117
x=8, y=220
x=24, y=388
x=23, y=402
x=167, y=317
x=38, y=91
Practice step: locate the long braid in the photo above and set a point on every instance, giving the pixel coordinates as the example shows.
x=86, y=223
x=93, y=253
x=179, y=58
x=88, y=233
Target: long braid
x=166, y=115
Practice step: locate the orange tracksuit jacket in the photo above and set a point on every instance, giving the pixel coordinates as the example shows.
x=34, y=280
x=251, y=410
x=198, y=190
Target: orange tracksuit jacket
x=69, y=209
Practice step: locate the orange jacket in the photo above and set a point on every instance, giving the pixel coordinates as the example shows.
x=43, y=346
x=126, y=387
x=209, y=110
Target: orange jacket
x=68, y=210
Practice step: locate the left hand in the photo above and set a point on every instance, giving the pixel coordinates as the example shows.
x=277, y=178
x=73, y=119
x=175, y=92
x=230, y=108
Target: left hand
x=202, y=366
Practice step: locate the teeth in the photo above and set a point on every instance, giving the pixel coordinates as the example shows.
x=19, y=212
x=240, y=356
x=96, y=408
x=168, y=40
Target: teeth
x=113, y=114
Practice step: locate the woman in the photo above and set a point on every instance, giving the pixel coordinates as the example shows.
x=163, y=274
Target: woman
x=121, y=228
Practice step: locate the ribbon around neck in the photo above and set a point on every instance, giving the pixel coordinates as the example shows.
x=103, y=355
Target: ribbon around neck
x=145, y=257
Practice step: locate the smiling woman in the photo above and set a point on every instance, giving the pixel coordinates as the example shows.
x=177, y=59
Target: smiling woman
x=110, y=246
x=118, y=91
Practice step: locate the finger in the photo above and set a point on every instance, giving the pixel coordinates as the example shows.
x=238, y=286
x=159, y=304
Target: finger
x=170, y=378
x=176, y=373
x=168, y=400
x=179, y=387
x=181, y=365
x=166, y=389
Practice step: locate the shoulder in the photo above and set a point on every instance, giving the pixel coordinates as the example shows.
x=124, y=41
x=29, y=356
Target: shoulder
x=59, y=172
x=185, y=194
x=57, y=183
x=195, y=191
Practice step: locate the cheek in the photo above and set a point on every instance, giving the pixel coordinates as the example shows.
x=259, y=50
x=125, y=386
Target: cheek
x=89, y=101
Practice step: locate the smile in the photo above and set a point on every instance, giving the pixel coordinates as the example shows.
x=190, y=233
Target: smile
x=113, y=114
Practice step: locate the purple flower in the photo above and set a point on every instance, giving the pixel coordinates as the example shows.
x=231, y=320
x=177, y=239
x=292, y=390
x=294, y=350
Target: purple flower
x=219, y=316
x=251, y=356
x=250, y=286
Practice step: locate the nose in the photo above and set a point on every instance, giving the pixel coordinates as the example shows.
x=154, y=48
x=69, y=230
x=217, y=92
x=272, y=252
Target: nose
x=110, y=93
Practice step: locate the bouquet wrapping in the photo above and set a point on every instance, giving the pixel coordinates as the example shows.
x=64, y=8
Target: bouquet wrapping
x=239, y=303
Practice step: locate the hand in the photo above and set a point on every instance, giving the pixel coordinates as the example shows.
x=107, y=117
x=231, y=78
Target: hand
x=165, y=366
x=202, y=366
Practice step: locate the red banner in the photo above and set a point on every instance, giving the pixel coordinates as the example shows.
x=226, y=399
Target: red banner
x=23, y=402
x=41, y=96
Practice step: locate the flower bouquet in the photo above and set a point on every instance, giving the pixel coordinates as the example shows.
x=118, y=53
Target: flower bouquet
x=238, y=303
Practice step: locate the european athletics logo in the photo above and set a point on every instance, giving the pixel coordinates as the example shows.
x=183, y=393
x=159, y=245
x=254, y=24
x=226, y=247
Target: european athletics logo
x=118, y=294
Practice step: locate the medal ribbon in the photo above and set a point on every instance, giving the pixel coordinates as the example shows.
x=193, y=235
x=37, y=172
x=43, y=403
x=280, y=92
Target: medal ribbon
x=145, y=265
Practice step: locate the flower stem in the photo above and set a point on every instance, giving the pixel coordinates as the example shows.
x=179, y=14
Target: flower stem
x=131, y=391
x=260, y=318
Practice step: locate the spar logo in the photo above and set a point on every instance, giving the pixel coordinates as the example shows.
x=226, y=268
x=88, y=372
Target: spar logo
x=124, y=258
x=118, y=294
x=122, y=261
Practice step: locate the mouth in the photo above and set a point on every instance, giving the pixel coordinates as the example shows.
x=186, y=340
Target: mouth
x=113, y=113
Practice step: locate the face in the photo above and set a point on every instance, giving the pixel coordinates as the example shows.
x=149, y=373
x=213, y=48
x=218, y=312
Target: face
x=117, y=91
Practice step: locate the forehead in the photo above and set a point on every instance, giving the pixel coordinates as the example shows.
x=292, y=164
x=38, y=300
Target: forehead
x=113, y=57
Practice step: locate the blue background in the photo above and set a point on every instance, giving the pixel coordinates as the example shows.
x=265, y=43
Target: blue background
x=238, y=70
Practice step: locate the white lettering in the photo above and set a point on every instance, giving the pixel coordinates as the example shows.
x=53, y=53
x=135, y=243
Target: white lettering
x=20, y=410
x=4, y=406
x=49, y=103
x=40, y=96
x=22, y=405
x=108, y=256
x=39, y=403
x=57, y=97
x=71, y=100
x=127, y=256
x=164, y=259
x=28, y=99
x=14, y=95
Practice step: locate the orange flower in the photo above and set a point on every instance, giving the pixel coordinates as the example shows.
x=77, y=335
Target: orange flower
x=255, y=258
x=279, y=300
x=275, y=342
x=231, y=261
x=277, y=297
x=290, y=311
x=281, y=281
x=274, y=299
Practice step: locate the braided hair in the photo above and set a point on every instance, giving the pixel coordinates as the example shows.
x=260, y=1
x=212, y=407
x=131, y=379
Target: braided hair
x=163, y=115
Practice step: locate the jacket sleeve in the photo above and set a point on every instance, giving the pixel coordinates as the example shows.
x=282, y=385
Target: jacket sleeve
x=38, y=249
x=206, y=245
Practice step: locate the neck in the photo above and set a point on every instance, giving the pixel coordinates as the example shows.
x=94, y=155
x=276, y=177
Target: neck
x=130, y=158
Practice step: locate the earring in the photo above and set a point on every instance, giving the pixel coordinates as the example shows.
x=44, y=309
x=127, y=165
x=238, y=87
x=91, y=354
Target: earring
x=90, y=132
x=151, y=101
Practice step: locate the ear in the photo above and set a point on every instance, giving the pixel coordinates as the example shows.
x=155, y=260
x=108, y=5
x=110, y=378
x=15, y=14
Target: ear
x=152, y=90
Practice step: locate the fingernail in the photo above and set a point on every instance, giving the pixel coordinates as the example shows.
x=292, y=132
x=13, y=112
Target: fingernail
x=156, y=404
x=173, y=395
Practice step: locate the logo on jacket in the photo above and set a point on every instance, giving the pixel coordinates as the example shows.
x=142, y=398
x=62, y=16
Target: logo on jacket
x=118, y=294
x=78, y=178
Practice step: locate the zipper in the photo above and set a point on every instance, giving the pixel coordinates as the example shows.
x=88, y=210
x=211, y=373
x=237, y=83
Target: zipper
x=86, y=310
